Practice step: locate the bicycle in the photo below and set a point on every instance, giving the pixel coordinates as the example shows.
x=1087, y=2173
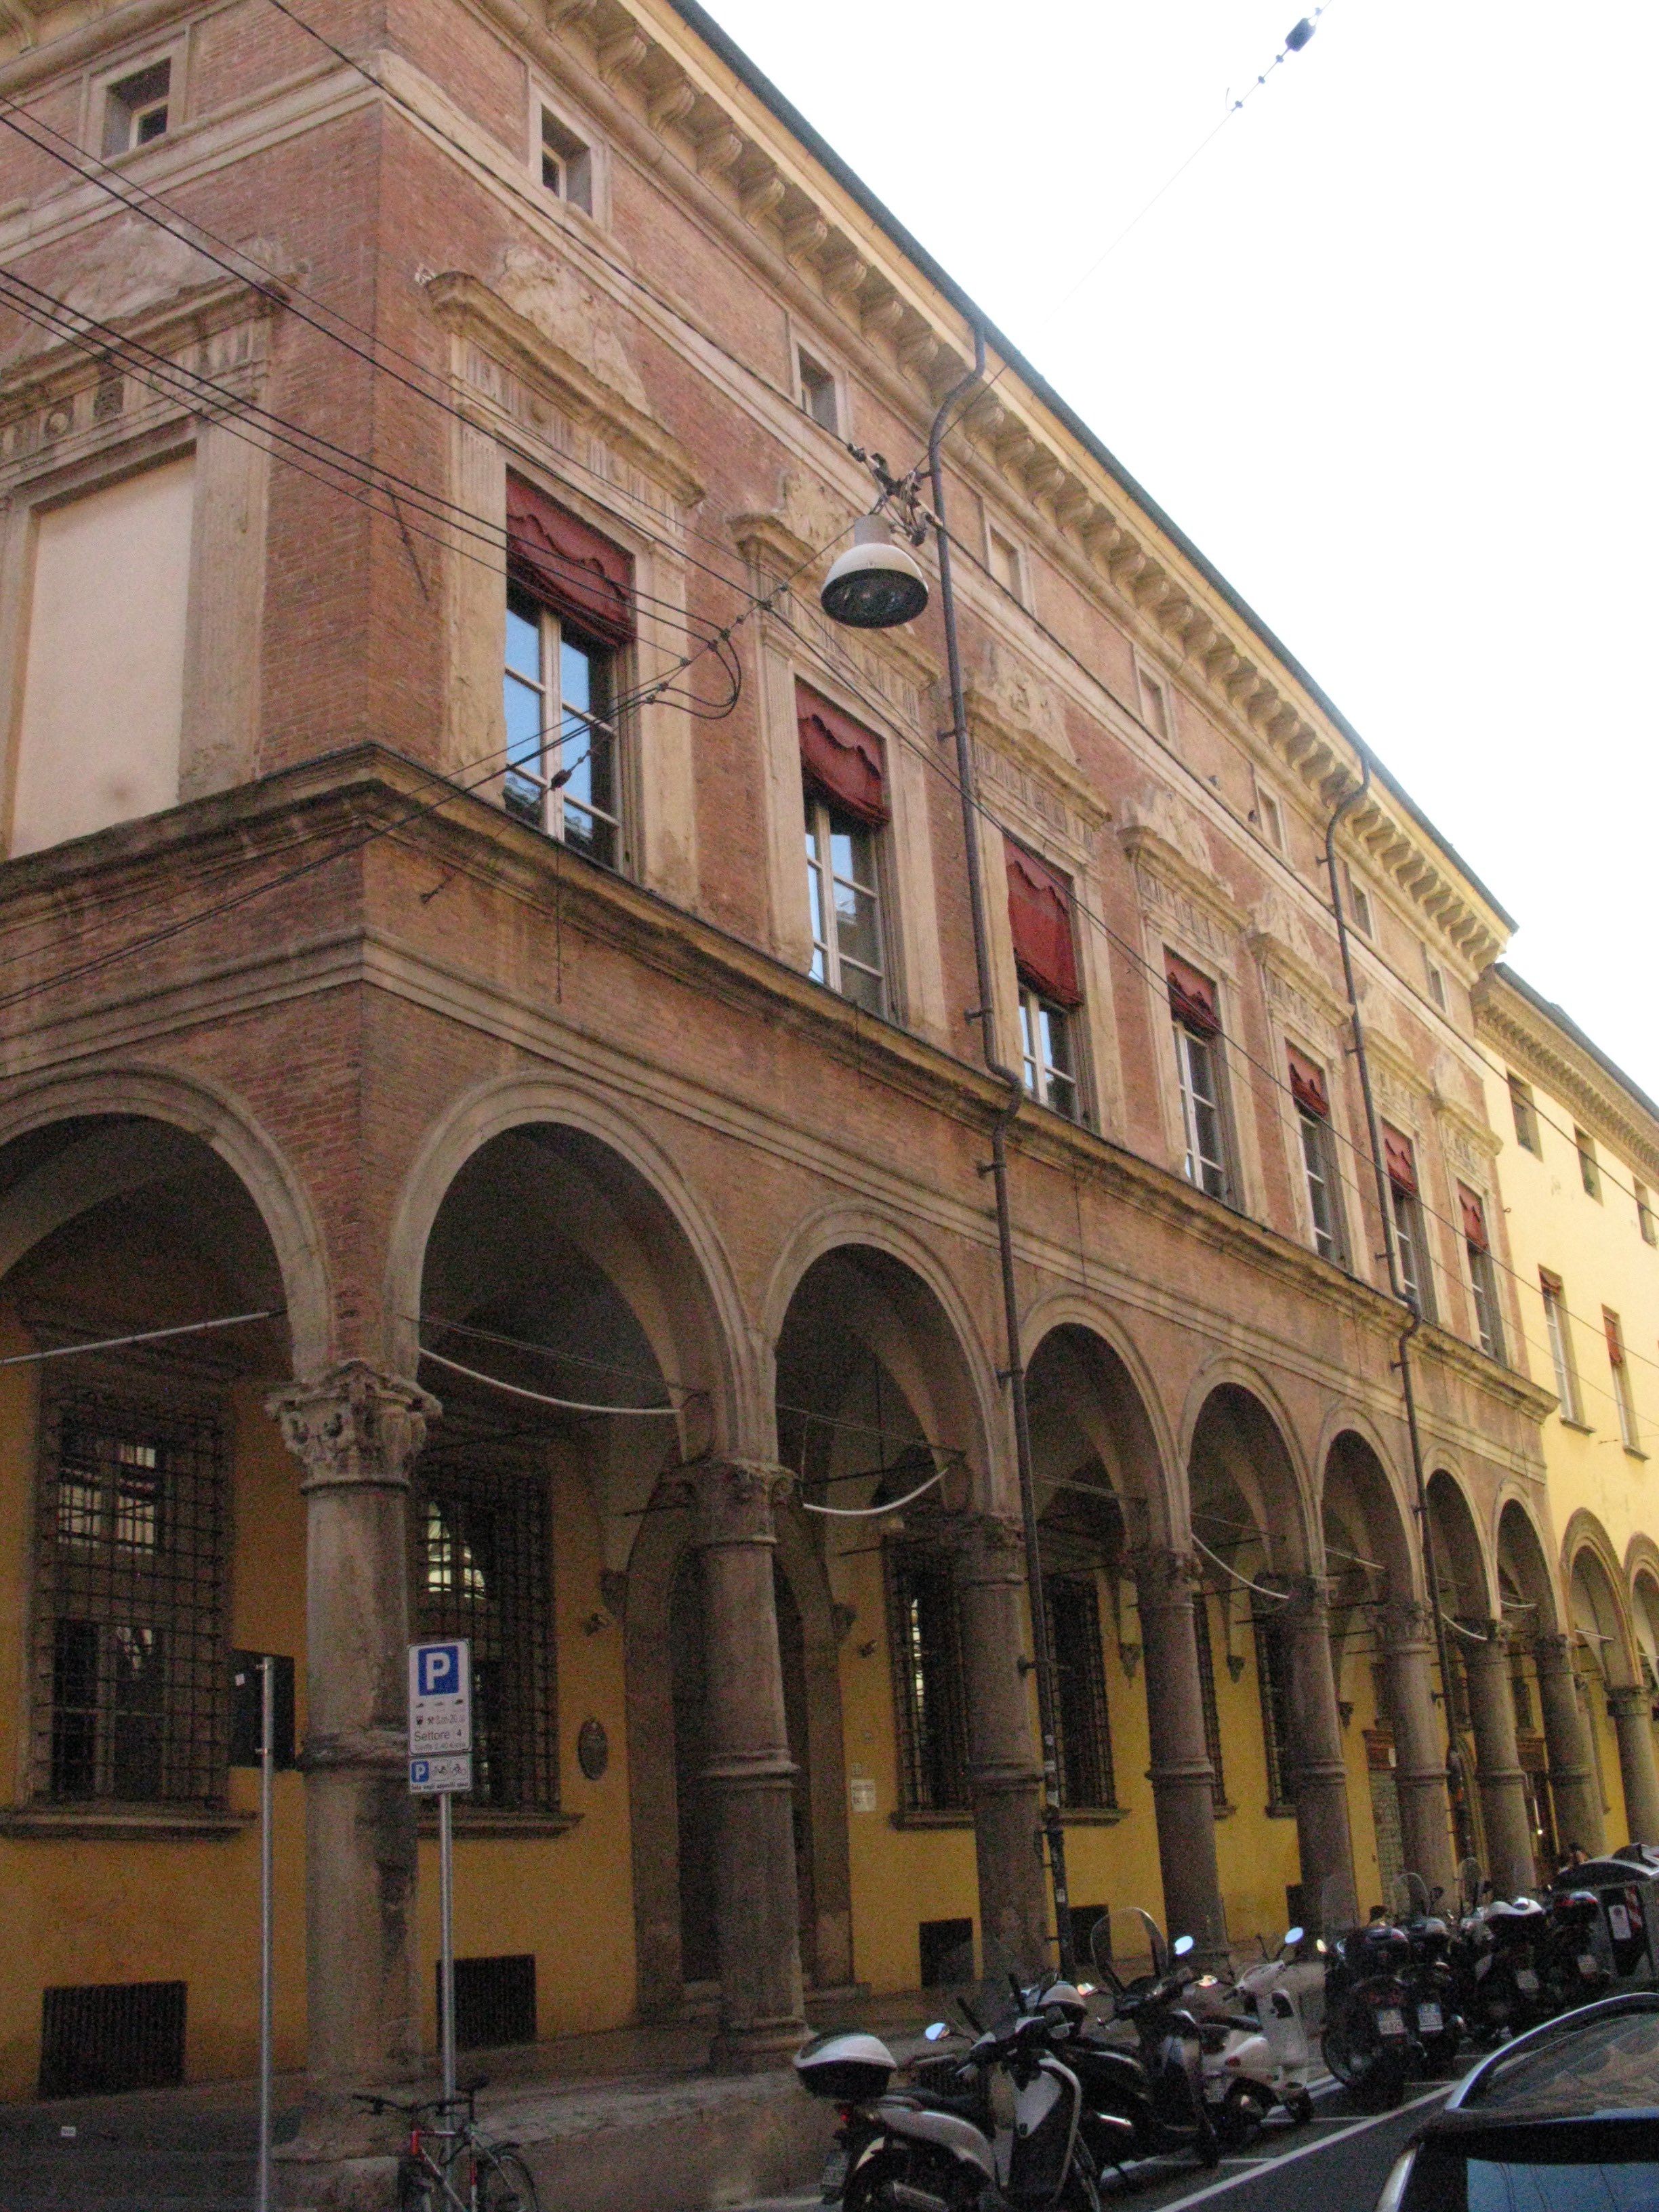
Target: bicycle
x=456, y=2168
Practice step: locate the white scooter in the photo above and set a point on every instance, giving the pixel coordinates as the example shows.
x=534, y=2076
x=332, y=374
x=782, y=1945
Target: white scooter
x=1259, y=2039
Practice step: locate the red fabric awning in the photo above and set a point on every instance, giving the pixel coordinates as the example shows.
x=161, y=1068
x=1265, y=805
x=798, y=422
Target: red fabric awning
x=1400, y=1160
x=1615, y=1342
x=1040, y=912
x=568, y=567
x=1474, y=1217
x=1192, y=997
x=1308, y=1085
x=841, y=759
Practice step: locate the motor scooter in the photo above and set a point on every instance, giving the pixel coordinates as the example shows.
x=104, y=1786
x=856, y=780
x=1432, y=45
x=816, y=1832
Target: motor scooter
x=1146, y=2098
x=1366, y=2042
x=1256, y=2052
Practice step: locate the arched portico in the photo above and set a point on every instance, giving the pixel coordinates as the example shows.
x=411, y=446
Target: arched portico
x=1564, y=1795
x=1612, y=1671
x=1488, y=1778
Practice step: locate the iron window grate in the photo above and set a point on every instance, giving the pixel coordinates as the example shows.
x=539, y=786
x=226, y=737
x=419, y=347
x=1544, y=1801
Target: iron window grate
x=483, y=1569
x=1206, y=1692
x=1270, y=1659
x=1083, y=1723
x=927, y=1653
x=130, y=1695
x=102, y=2038
x=495, y=2001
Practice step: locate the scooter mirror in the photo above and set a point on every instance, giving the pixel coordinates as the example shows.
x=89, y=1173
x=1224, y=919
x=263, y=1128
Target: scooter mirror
x=1293, y=1936
x=938, y=2032
x=1181, y=1945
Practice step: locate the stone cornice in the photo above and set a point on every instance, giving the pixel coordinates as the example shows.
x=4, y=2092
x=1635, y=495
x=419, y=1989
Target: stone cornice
x=471, y=308
x=1543, y=1052
x=1148, y=849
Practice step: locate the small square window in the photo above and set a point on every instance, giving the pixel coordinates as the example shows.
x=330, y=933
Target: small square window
x=816, y=390
x=1359, y=905
x=566, y=164
x=135, y=109
x=1005, y=565
x=1270, y=817
x=1155, y=708
x=1437, y=982
x=1589, y=1171
x=1525, y=1116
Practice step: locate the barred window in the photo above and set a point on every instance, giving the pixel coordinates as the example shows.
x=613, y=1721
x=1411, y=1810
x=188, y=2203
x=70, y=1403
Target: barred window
x=1082, y=1725
x=926, y=1649
x=1271, y=1676
x=130, y=1687
x=483, y=1570
x=1206, y=1691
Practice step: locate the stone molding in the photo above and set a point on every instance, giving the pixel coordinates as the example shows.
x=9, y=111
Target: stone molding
x=1164, y=1579
x=354, y=1427
x=1403, y=1627
x=735, y=1501
x=1545, y=1054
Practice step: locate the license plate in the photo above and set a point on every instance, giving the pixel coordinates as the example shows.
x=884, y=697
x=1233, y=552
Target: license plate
x=1390, y=2020
x=1619, y=1921
x=1526, y=1979
x=1588, y=1966
x=832, y=2182
x=1428, y=2021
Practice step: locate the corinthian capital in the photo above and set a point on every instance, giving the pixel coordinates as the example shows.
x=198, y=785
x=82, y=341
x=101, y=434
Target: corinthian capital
x=1163, y=1575
x=736, y=1499
x=1404, y=1626
x=354, y=1425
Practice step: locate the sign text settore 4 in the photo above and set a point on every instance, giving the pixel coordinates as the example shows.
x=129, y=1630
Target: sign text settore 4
x=439, y=1717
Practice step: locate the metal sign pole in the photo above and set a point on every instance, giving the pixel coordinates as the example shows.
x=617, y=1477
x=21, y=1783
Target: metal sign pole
x=267, y=1917
x=447, y=1933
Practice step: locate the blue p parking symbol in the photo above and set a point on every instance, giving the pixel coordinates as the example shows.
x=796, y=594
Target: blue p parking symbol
x=440, y=1670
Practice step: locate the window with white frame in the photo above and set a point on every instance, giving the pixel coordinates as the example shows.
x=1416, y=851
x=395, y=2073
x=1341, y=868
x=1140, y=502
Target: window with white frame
x=1045, y=1046
x=1155, y=708
x=1558, y=1328
x=1311, y=1098
x=570, y=617
x=815, y=388
x=1196, y=1016
x=1645, y=1220
x=1623, y=1395
x=1045, y=961
x=1005, y=564
x=1410, y=1248
x=137, y=109
x=1483, y=1276
x=566, y=162
x=843, y=892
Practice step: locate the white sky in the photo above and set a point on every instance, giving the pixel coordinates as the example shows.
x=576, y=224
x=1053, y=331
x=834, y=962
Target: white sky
x=1385, y=352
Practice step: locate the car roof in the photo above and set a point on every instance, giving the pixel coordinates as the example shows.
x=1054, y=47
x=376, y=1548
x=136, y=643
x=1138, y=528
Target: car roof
x=1602, y=2059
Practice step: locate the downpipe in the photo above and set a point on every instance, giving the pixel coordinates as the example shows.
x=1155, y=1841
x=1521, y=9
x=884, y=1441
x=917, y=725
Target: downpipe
x=1414, y=1321
x=985, y=1014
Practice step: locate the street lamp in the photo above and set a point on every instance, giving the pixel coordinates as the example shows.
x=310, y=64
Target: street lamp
x=875, y=586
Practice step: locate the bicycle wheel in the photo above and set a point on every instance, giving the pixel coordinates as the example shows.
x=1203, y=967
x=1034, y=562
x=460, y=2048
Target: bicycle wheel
x=504, y=2183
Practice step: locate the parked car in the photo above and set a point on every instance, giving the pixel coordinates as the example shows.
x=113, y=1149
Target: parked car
x=1564, y=2118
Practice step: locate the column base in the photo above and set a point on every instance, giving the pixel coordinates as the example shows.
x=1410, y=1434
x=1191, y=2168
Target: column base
x=762, y=2049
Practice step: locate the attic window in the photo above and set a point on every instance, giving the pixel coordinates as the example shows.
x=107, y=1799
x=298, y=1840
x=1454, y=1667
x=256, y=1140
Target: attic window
x=1359, y=905
x=566, y=164
x=1437, y=981
x=135, y=109
x=1270, y=818
x=1005, y=564
x=1155, y=708
x=816, y=390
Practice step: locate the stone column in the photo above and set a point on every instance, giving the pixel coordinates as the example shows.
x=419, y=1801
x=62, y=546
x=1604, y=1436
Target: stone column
x=1633, y=1717
x=1004, y=1773
x=1406, y=1633
x=1319, y=1774
x=1575, y=1789
x=763, y=2016
x=357, y=1433
x=1509, y=1858
x=1180, y=1774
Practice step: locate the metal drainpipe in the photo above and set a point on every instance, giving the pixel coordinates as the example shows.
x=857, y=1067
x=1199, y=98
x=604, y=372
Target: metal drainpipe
x=1043, y=1655
x=1425, y=1533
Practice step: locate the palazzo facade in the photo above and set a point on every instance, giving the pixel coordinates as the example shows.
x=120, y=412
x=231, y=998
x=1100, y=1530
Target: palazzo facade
x=474, y=928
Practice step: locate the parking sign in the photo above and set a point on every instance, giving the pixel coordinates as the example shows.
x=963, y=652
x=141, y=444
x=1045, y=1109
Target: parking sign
x=440, y=1699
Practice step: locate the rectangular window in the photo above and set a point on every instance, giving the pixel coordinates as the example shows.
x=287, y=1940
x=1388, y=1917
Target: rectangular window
x=135, y=109
x=1623, y=1395
x=815, y=389
x=1644, y=1215
x=1557, y=1327
x=1318, y=1141
x=1207, y=1696
x=1483, y=1278
x=927, y=1655
x=1005, y=564
x=1437, y=981
x=1045, y=961
x=1410, y=1252
x=566, y=165
x=1083, y=1726
x=1589, y=1171
x=1046, y=1051
x=844, y=897
x=1359, y=903
x=1270, y=817
x=569, y=615
x=483, y=1569
x=1155, y=708
x=1525, y=1116
x=1195, y=1009
x=1272, y=1674
x=132, y=1688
